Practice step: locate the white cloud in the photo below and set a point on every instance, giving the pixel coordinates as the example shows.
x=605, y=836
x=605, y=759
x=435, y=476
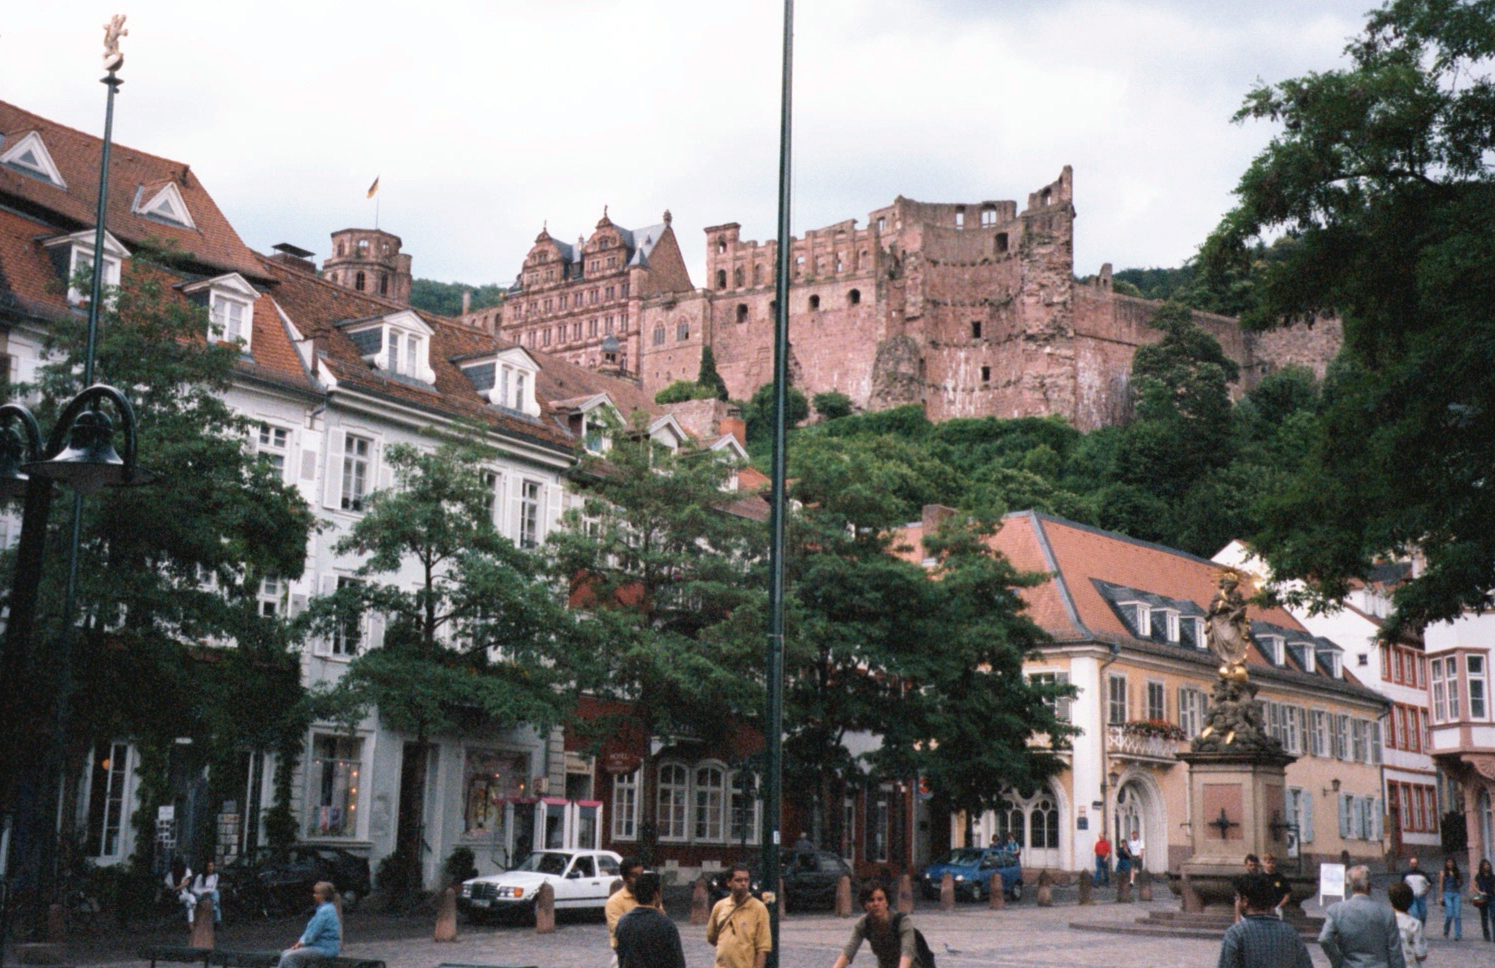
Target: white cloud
x=485, y=119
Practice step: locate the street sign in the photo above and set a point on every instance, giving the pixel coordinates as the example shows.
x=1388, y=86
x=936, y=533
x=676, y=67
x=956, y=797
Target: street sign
x=616, y=763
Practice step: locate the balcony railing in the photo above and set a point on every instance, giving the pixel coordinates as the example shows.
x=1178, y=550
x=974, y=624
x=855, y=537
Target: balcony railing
x=1122, y=743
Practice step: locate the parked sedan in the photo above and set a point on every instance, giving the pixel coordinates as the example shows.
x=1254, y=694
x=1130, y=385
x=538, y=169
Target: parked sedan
x=580, y=879
x=810, y=879
x=971, y=868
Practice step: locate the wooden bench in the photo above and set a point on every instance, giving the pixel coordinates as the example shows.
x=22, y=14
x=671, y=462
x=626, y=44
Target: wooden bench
x=175, y=953
x=229, y=958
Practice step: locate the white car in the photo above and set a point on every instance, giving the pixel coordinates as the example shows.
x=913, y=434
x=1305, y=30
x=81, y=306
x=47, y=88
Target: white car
x=581, y=879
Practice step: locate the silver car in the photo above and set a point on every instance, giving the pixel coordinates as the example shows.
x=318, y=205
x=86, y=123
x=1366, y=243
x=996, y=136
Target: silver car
x=581, y=879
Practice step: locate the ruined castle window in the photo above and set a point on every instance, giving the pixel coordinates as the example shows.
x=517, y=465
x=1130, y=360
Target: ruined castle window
x=609, y=322
x=592, y=327
x=576, y=330
x=742, y=312
x=960, y=218
x=1001, y=242
x=976, y=329
x=882, y=225
x=339, y=248
x=854, y=297
x=358, y=282
x=758, y=274
x=986, y=374
x=363, y=248
x=659, y=335
x=682, y=331
x=737, y=277
x=592, y=297
x=545, y=336
x=383, y=283
x=623, y=290
x=814, y=302
x=799, y=266
x=611, y=293
x=721, y=244
x=612, y=261
x=1046, y=197
x=547, y=305
x=721, y=278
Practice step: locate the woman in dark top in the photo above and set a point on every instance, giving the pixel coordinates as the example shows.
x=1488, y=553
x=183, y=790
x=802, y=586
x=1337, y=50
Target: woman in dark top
x=1484, y=883
x=1451, y=884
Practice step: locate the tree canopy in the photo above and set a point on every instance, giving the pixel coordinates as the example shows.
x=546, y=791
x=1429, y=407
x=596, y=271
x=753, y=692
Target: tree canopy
x=1380, y=173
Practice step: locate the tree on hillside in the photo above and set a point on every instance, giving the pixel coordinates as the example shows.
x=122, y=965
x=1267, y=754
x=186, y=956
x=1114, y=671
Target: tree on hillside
x=708, y=376
x=479, y=637
x=660, y=566
x=445, y=298
x=1382, y=174
x=166, y=571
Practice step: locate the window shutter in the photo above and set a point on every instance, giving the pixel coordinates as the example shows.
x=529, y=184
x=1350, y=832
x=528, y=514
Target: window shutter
x=319, y=644
x=332, y=495
x=1375, y=742
x=554, y=506
x=1344, y=816
x=1377, y=812
x=384, y=474
x=374, y=631
x=308, y=463
x=1306, y=834
x=510, y=526
x=1065, y=704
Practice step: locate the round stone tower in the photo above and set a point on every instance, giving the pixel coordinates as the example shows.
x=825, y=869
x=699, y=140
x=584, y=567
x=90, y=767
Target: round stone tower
x=370, y=261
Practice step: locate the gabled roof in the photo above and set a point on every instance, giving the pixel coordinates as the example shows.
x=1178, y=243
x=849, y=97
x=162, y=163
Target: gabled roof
x=212, y=242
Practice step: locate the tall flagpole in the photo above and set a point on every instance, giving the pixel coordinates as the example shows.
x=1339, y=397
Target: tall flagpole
x=775, y=718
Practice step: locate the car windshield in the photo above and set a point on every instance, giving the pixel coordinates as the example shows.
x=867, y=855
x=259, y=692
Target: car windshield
x=545, y=863
x=965, y=857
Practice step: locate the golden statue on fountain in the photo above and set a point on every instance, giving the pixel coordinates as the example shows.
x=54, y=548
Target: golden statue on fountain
x=1235, y=721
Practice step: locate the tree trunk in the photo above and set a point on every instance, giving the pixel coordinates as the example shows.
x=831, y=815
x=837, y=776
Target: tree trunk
x=410, y=832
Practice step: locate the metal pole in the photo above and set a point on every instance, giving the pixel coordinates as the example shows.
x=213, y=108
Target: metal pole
x=775, y=718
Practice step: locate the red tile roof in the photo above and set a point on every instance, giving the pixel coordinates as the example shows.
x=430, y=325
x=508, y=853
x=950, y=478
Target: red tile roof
x=213, y=242
x=29, y=280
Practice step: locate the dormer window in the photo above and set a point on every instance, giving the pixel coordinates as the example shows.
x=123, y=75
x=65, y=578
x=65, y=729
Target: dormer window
x=30, y=157
x=72, y=254
x=506, y=380
x=1274, y=647
x=163, y=203
x=229, y=300
x=1331, y=662
x=1140, y=615
x=1191, y=632
x=398, y=344
x=1164, y=624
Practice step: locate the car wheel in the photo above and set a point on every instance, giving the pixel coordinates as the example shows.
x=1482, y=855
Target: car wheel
x=1017, y=892
x=976, y=892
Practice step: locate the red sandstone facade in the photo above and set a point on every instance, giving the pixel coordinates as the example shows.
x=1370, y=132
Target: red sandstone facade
x=583, y=302
x=970, y=310
x=370, y=261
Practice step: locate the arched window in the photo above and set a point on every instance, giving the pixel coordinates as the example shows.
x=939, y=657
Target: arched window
x=358, y=282
x=383, y=283
x=340, y=249
x=854, y=297
x=814, y=302
x=659, y=335
x=682, y=331
x=721, y=244
x=706, y=818
x=1001, y=242
x=742, y=312
x=737, y=277
x=758, y=274
x=1043, y=824
x=673, y=788
x=721, y=278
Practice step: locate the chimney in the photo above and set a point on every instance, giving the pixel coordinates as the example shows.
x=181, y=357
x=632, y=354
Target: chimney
x=466, y=301
x=737, y=427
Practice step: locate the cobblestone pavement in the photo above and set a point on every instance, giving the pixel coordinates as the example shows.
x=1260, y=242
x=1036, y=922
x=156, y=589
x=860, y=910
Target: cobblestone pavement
x=970, y=936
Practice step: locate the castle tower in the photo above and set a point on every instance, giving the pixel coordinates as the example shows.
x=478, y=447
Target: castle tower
x=370, y=261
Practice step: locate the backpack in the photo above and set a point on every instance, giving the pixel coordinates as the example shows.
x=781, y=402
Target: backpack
x=924, y=955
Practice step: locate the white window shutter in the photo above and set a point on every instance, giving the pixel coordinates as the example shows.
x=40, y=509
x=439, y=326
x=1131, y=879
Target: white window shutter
x=374, y=635
x=1375, y=741
x=308, y=463
x=1344, y=816
x=554, y=505
x=510, y=528
x=298, y=605
x=385, y=475
x=1065, y=704
x=1378, y=813
x=321, y=645
x=1306, y=834
x=332, y=495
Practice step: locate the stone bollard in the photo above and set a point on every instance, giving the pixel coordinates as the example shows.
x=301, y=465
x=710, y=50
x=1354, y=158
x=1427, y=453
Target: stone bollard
x=545, y=910
x=1087, y=886
x=56, y=925
x=905, y=895
x=1193, y=903
x=1144, y=889
x=1124, y=890
x=947, y=892
x=843, y=897
x=1045, y=889
x=700, y=902
x=997, y=899
x=446, y=916
x=202, y=924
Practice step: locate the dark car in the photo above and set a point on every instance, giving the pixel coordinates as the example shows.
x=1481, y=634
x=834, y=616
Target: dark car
x=271, y=881
x=971, y=869
x=810, y=879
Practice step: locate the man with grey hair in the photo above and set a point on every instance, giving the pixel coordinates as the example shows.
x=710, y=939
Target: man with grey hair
x=1359, y=932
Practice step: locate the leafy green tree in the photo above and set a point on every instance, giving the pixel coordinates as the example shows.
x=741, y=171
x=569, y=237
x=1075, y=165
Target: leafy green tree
x=660, y=566
x=1381, y=172
x=682, y=390
x=445, y=298
x=480, y=637
x=832, y=405
x=166, y=571
x=758, y=412
x=708, y=376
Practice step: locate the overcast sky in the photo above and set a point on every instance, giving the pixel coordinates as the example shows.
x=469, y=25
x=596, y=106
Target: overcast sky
x=484, y=120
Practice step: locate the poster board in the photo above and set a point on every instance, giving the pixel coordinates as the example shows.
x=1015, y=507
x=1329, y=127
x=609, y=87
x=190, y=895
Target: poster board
x=1331, y=882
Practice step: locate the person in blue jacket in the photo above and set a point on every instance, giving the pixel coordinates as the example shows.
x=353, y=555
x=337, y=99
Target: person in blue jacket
x=323, y=937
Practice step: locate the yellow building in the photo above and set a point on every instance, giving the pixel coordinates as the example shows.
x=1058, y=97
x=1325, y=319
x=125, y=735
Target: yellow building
x=1127, y=622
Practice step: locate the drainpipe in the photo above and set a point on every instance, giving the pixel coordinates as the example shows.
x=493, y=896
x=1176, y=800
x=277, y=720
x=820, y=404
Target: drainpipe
x=1105, y=741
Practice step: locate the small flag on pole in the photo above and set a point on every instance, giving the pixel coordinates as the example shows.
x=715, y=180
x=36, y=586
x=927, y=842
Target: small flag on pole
x=374, y=188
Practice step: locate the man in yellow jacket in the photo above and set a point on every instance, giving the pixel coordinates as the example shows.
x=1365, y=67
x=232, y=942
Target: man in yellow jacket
x=739, y=925
x=622, y=901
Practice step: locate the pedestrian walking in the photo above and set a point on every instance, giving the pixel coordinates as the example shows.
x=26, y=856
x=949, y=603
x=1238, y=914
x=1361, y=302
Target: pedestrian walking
x=739, y=925
x=1451, y=886
x=1103, y=861
x=646, y=937
x=1414, y=939
x=1484, y=894
x=1359, y=932
x=893, y=938
x=1421, y=887
x=1261, y=939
